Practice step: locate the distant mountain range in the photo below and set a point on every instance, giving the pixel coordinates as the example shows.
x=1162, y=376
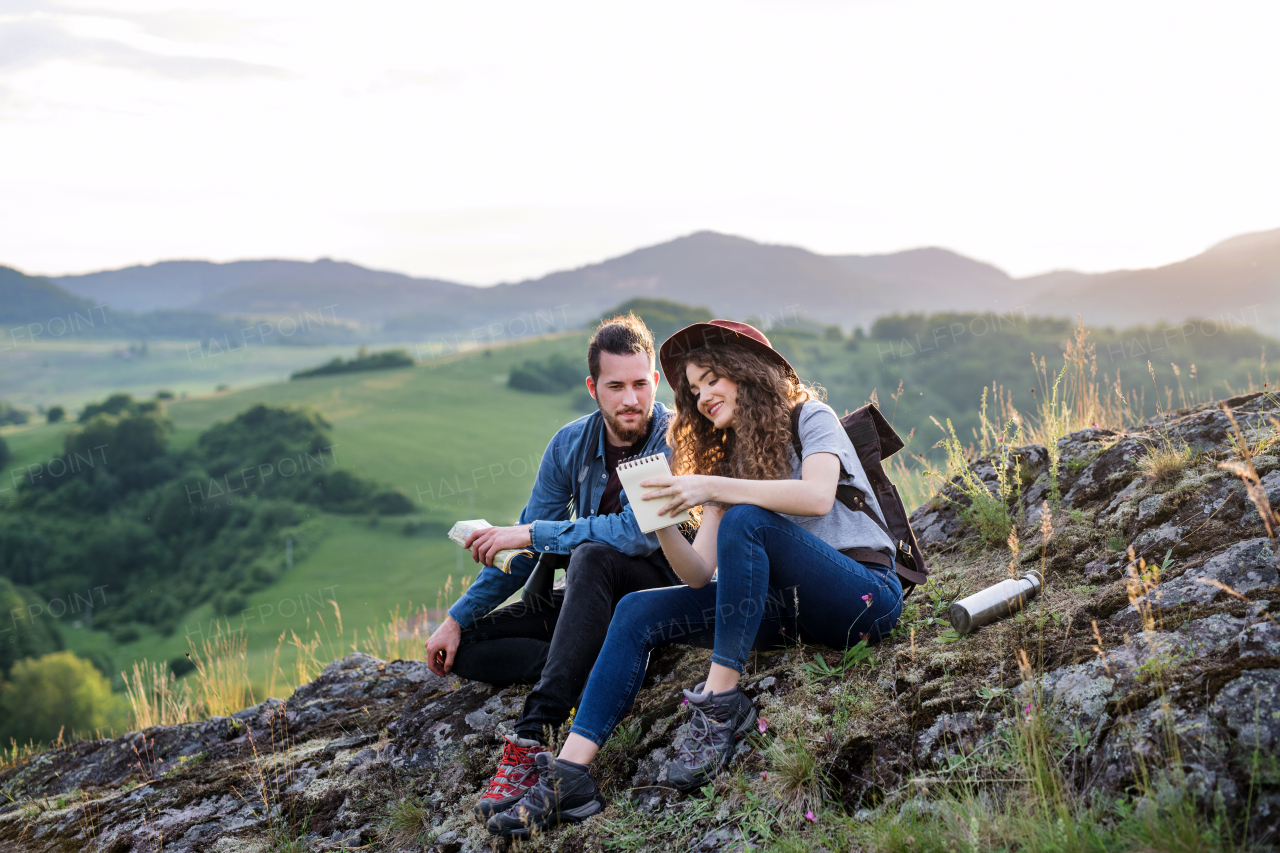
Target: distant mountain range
x=35, y=309
x=733, y=276
x=1238, y=280
x=264, y=287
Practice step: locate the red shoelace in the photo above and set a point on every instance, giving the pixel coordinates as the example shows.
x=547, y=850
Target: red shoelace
x=515, y=773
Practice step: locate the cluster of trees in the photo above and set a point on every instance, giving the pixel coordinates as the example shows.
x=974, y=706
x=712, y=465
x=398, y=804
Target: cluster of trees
x=559, y=374
x=385, y=360
x=157, y=531
x=11, y=415
x=553, y=376
x=57, y=694
x=664, y=318
x=936, y=365
x=120, y=404
x=42, y=686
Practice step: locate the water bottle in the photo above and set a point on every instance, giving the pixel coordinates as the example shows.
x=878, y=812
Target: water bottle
x=994, y=602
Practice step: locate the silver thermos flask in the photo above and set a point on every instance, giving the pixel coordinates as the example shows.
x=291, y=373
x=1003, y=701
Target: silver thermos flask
x=994, y=602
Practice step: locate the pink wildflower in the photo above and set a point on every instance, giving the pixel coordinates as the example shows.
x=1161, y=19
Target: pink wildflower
x=867, y=599
x=811, y=817
x=762, y=723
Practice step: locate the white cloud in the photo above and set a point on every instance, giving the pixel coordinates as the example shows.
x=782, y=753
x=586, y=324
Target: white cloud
x=25, y=44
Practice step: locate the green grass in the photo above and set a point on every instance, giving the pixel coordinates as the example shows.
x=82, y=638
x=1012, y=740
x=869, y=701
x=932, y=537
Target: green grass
x=72, y=373
x=450, y=433
x=367, y=571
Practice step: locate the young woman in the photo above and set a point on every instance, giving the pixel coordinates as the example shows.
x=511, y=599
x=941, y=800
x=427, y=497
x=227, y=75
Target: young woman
x=772, y=527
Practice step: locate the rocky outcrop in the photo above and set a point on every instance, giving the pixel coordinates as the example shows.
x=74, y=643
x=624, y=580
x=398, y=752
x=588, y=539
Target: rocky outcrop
x=1184, y=671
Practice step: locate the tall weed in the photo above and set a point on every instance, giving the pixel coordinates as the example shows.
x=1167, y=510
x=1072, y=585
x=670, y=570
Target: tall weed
x=222, y=684
x=986, y=512
x=156, y=697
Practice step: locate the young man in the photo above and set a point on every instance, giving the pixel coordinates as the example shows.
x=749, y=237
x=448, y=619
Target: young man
x=553, y=641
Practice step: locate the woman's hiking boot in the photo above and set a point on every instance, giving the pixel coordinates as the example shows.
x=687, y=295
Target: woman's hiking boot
x=717, y=722
x=565, y=793
x=515, y=775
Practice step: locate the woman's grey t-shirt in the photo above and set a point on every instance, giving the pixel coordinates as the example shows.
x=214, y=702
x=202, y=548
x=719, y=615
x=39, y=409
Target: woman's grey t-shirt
x=842, y=528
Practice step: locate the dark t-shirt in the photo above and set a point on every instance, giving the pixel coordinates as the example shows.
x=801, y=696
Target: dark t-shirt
x=611, y=500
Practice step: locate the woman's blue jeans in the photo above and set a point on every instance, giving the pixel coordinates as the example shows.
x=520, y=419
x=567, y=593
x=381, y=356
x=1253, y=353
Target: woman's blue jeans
x=776, y=580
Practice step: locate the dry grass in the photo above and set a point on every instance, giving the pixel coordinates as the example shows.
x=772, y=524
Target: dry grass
x=408, y=822
x=1165, y=460
x=314, y=654
x=1074, y=398
x=1248, y=472
x=220, y=684
x=156, y=697
x=16, y=753
x=794, y=773
x=401, y=638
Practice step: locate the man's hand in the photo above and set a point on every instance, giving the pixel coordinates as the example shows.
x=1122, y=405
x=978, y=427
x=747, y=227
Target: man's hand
x=442, y=645
x=485, y=543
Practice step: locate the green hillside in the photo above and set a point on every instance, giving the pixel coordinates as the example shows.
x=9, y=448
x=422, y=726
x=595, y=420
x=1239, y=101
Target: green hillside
x=73, y=371
x=449, y=433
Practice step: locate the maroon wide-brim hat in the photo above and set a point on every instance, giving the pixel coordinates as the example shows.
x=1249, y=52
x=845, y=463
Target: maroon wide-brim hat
x=717, y=333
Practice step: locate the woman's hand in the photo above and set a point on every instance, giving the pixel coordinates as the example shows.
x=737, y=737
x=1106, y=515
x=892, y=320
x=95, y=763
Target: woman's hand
x=693, y=563
x=685, y=492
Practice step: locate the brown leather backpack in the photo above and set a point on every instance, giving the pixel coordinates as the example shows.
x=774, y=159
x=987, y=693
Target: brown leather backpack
x=875, y=440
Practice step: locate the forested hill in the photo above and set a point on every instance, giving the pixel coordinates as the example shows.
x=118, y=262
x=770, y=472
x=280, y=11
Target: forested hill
x=165, y=529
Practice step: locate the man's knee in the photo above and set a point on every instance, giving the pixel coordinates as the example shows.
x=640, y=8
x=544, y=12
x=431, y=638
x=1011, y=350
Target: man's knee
x=590, y=563
x=503, y=661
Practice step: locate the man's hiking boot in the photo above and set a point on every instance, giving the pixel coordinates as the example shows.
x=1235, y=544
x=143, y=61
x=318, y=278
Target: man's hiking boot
x=565, y=793
x=516, y=774
x=717, y=722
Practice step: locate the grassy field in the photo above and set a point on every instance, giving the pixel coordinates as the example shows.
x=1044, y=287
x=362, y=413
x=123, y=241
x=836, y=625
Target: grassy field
x=71, y=373
x=448, y=432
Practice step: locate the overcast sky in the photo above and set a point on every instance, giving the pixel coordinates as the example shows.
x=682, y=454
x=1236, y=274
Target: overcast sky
x=492, y=141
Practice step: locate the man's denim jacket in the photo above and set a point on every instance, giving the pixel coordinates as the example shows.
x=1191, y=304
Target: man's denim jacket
x=571, y=476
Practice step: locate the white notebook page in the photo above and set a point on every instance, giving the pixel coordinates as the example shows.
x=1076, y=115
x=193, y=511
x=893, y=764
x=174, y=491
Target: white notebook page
x=630, y=474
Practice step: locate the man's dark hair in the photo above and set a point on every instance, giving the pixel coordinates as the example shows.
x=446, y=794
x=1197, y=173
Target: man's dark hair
x=621, y=335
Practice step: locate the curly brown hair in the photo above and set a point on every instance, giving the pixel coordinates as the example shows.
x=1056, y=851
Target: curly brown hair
x=756, y=448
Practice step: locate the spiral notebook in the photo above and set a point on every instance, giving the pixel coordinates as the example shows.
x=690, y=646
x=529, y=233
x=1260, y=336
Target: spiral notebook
x=630, y=473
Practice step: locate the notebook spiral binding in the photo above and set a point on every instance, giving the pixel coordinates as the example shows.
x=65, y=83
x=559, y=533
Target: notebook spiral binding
x=635, y=461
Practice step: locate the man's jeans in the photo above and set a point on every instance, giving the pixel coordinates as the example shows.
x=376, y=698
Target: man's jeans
x=553, y=643
x=775, y=580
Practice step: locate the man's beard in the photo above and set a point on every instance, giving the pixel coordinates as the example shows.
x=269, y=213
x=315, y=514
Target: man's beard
x=628, y=435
